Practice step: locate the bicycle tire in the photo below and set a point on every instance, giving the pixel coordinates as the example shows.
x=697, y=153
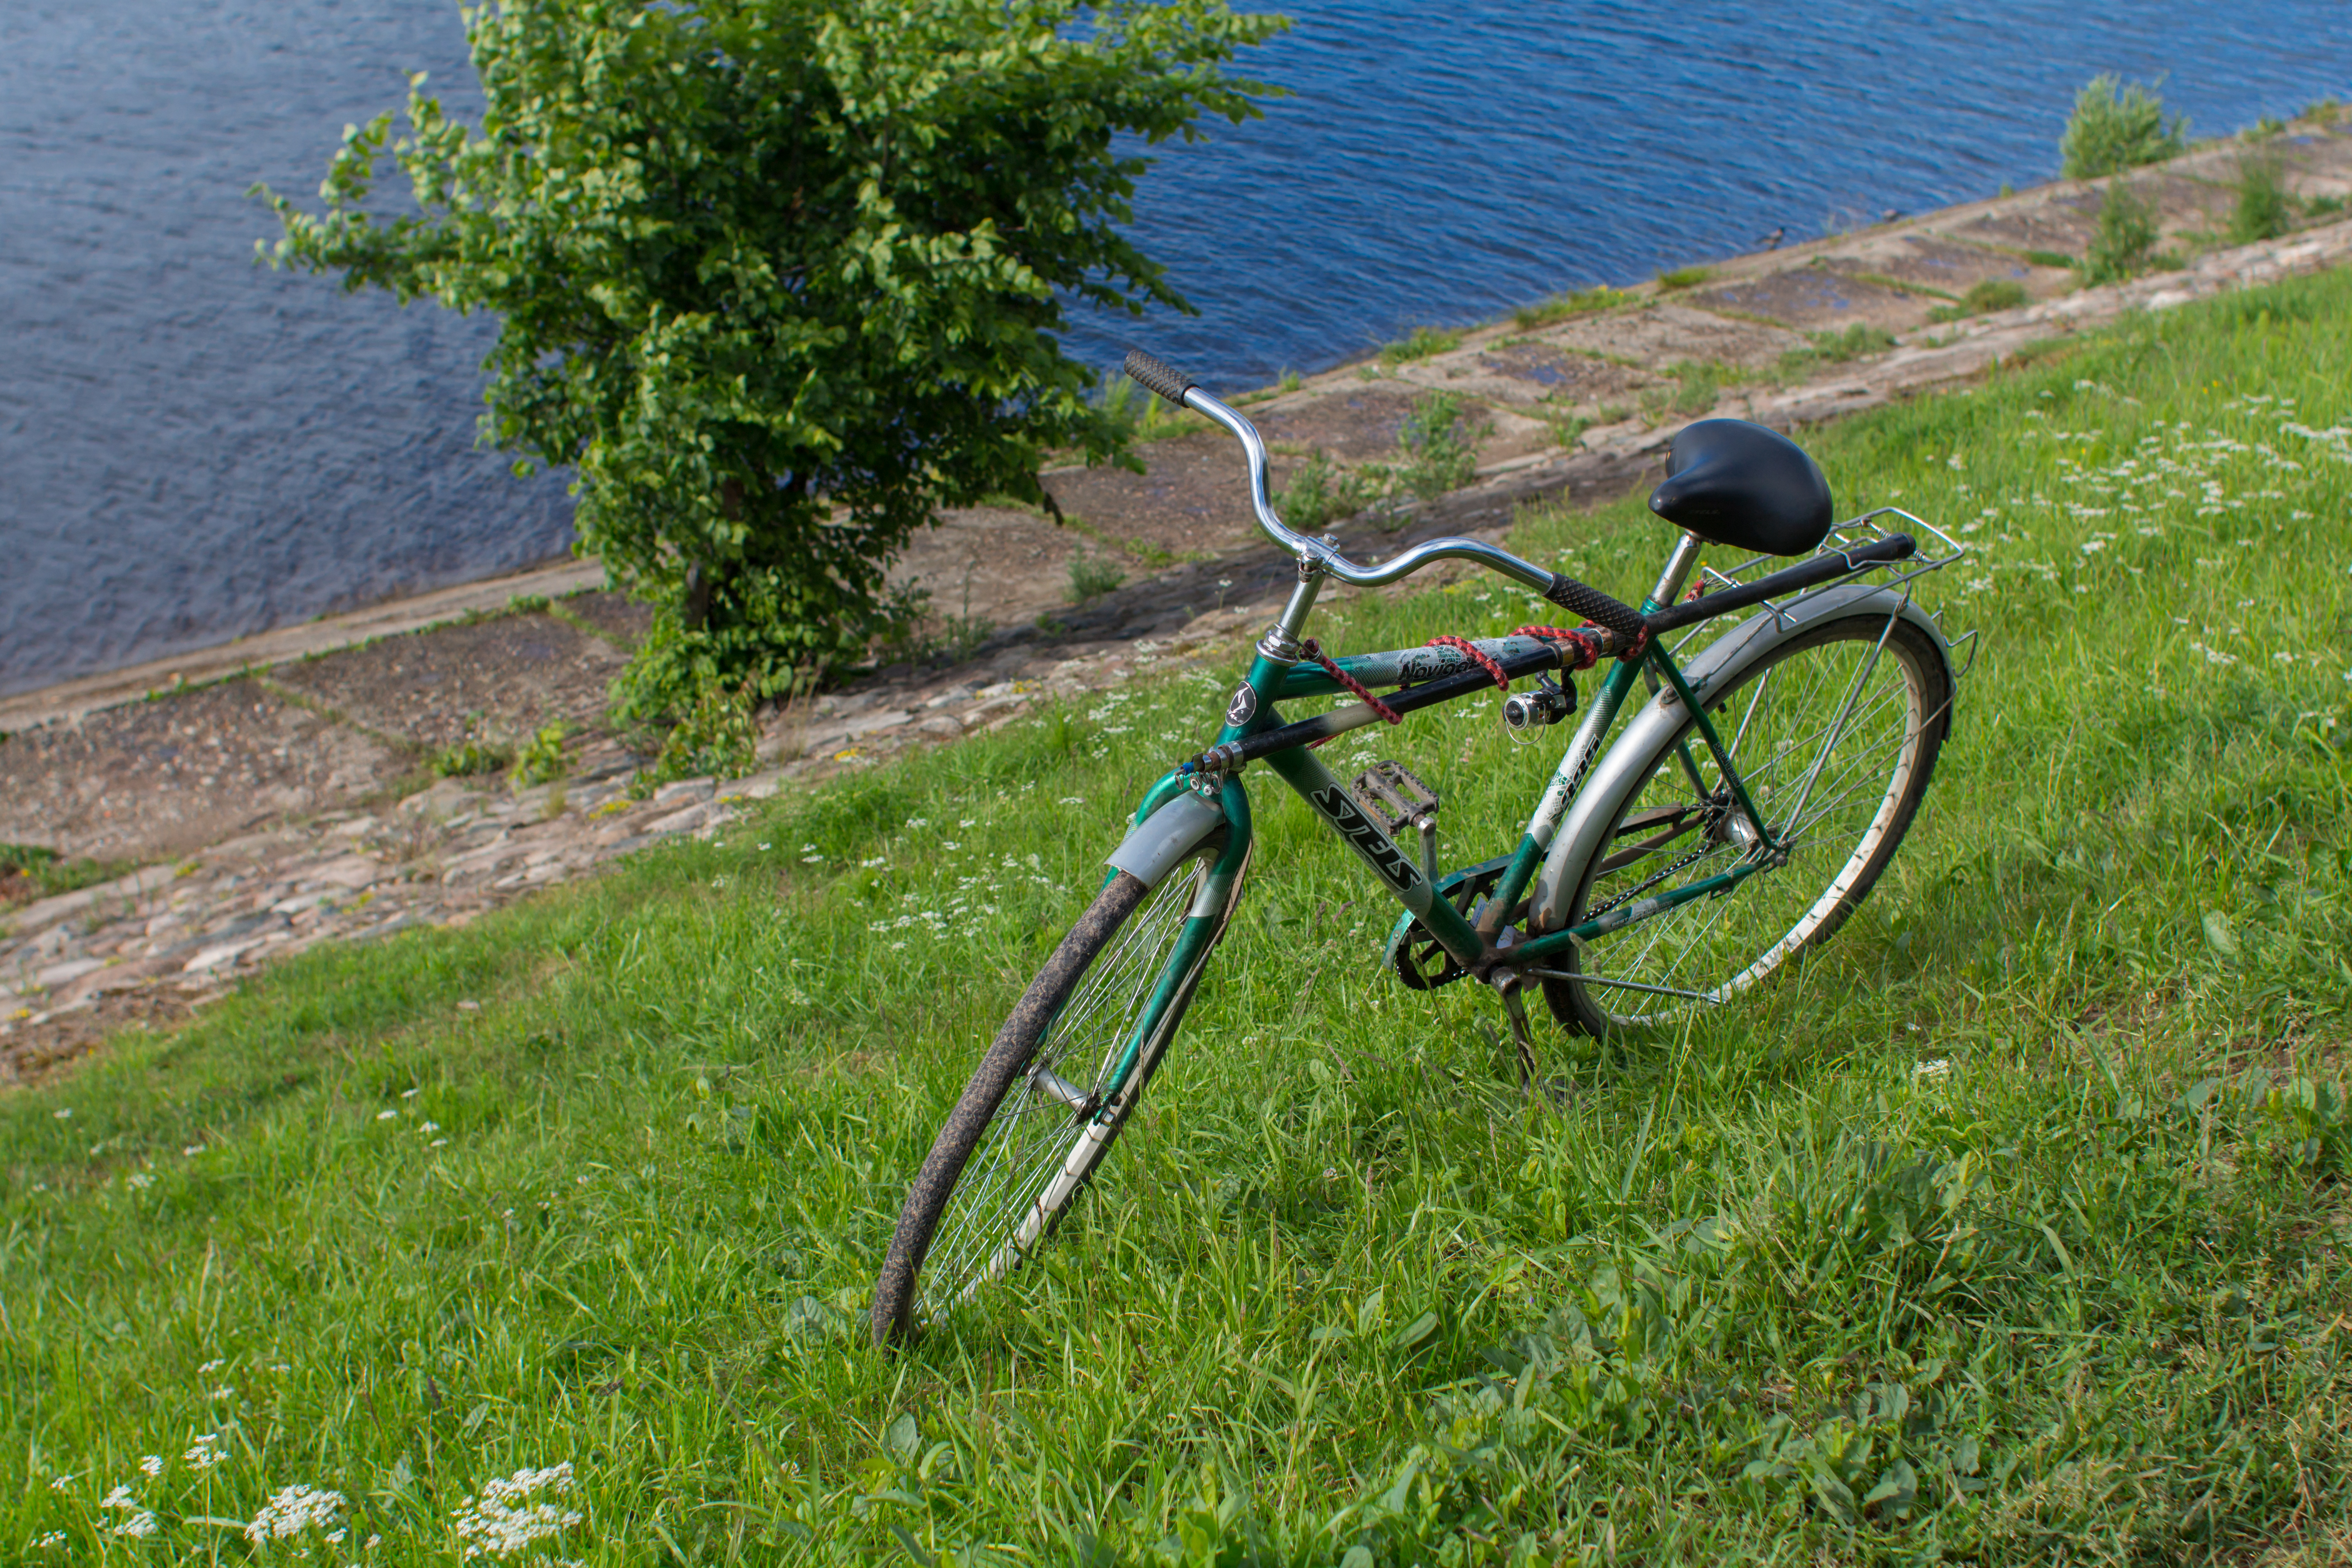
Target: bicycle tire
x=1757, y=928
x=1046, y=1164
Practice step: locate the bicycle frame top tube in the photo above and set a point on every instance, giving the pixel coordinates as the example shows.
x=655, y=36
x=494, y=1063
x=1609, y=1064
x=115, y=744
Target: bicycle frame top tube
x=1324, y=555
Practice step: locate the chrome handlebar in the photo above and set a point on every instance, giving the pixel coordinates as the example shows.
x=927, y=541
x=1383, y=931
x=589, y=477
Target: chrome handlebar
x=1323, y=552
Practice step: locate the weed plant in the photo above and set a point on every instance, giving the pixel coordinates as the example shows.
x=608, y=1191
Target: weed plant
x=2117, y=126
x=1319, y=492
x=30, y=871
x=1092, y=576
x=2124, y=244
x=1984, y=297
x=1564, y=307
x=2008, y=1228
x=1439, y=446
x=1685, y=278
x=2264, y=210
x=1420, y=343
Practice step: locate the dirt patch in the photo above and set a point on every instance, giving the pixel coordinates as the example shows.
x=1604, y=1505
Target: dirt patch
x=496, y=680
x=1194, y=498
x=1668, y=335
x=1940, y=264
x=32, y=1051
x=151, y=780
x=1820, y=299
x=1565, y=378
x=1361, y=425
x=2062, y=225
x=997, y=564
x=622, y=620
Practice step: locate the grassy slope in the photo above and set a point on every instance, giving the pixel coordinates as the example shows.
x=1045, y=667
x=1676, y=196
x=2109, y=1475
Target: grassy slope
x=1775, y=1285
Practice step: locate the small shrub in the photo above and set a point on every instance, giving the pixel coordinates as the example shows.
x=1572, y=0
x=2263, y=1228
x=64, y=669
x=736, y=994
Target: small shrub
x=471, y=758
x=1421, y=344
x=541, y=759
x=1320, y=492
x=1290, y=382
x=2117, y=126
x=2265, y=210
x=2323, y=206
x=1685, y=278
x=1092, y=576
x=2126, y=239
x=2052, y=258
x=1994, y=294
x=1561, y=307
x=719, y=736
x=1991, y=294
x=1441, y=449
x=1856, y=340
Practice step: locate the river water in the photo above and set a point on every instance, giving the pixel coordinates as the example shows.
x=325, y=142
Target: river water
x=191, y=447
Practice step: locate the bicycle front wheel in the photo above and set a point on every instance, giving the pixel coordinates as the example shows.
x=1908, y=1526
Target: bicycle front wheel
x=1048, y=1099
x=1834, y=732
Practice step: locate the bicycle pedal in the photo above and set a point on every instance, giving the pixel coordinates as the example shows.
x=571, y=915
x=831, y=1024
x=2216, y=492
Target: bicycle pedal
x=1394, y=796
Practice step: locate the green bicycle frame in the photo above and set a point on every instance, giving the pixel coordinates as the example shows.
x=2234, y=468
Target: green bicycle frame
x=1253, y=710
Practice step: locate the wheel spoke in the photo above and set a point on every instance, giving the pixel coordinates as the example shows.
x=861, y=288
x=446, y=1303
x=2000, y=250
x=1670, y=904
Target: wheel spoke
x=1828, y=740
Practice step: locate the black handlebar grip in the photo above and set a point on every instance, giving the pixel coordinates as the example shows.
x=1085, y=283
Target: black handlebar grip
x=1145, y=370
x=1595, y=607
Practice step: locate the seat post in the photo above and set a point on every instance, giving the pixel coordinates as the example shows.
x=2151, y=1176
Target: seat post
x=1677, y=569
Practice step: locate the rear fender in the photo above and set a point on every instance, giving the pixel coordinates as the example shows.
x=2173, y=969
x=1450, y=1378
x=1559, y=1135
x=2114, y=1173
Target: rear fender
x=1624, y=767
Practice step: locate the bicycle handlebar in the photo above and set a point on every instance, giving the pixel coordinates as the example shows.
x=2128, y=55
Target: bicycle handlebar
x=1578, y=598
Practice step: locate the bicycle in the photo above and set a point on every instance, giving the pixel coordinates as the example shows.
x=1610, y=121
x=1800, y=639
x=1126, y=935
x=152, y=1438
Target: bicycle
x=1754, y=795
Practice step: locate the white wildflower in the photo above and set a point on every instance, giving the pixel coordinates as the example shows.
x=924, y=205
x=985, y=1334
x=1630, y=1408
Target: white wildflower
x=293, y=1510
x=211, y=1367
x=151, y=1466
x=138, y=1527
x=205, y=1452
x=1939, y=1067
x=140, y=1179
x=387, y=1115
x=193, y=1149
x=65, y=1115
x=509, y=1517
x=54, y=1539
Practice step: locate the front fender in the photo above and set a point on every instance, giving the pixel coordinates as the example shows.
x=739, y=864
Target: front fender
x=1626, y=765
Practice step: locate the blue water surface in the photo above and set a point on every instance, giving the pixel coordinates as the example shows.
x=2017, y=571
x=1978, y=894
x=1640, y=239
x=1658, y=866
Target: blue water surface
x=192, y=448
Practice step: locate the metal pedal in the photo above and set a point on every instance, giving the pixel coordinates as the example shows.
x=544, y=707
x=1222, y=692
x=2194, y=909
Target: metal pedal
x=1397, y=798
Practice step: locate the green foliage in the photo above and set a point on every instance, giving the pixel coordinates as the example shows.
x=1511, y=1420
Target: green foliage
x=471, y=758
x=542, y=760
x=1561, y=307
x=2052, y=258
x=1420, y=343
x=1319, y=492
x=1092, y=576
x=778, y=280
x=2325, y=206
x=30, y=871
x=2124, y=245
x=1984, y=296
x=1439, y=446
x=719, y=736
x=2117, y=126
x=2264, y=210
x=1685, y=278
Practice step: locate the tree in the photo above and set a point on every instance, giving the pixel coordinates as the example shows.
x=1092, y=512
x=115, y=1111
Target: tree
x=779, y=279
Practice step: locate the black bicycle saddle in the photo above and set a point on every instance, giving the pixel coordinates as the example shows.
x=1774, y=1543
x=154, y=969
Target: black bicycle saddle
x=1741, y=485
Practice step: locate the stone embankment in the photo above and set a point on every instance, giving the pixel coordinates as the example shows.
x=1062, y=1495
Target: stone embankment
x=278, y=795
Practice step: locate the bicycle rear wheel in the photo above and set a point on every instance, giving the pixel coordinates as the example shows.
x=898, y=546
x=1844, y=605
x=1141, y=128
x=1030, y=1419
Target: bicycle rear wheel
x=1835, y=732
x=1054, y=1089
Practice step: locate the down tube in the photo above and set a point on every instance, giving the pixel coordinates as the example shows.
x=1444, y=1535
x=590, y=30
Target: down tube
x=1321, y=789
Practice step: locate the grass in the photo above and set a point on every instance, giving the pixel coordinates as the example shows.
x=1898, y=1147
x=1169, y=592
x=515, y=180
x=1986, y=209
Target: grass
x=1685, y=278
x=2009, y=1229
x=30, y=871
x=1985, y=296
x=1420, y=343
x=1092, y=576
x=1564, y=307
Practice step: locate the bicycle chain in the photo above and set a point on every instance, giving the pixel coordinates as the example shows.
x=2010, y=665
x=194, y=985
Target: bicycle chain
x=1705, y=847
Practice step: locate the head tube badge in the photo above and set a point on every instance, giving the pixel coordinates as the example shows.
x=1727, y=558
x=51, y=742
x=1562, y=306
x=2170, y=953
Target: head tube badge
x=1243, y=707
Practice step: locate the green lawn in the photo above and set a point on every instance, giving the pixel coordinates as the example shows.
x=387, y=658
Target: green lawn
x=2009, y=1229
